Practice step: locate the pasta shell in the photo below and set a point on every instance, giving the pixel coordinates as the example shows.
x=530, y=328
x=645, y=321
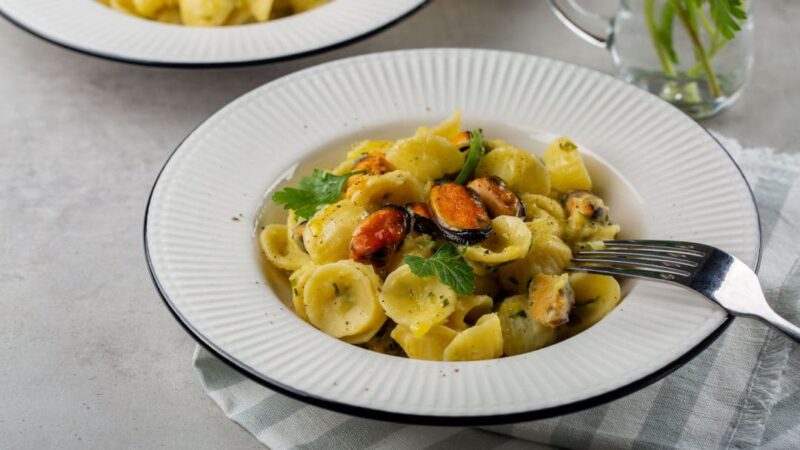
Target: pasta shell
x=520, y=169
x=327, y=234
x=522, y=334
x=447, y=129
x=418, y=303
x=469, y=307
x=397, y=187
x=430, y=346
x=484, y=340
x=547, y=255
x=543, y=215
x=510, y=240
x=595, y=297
x=298, y=281
x=281, y=251
x=426, y=157
x=565, y=166
x=260, y=9
x=203, y=13
x=341, y=299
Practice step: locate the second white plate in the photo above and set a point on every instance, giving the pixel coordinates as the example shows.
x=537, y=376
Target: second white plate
x=90, y=27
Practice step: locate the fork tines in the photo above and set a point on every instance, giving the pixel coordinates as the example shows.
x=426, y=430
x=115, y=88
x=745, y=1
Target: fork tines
x=666, y=260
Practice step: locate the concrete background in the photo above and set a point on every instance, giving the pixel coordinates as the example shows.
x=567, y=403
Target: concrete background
x=90, y=356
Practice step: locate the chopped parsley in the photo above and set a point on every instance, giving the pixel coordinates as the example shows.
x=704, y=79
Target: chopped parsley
x=312, y=193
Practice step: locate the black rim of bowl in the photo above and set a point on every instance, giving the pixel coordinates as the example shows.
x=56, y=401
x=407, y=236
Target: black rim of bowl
x=215, y=65
x=421, y=419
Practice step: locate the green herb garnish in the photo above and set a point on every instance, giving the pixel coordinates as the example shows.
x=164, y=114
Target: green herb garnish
x=448, y=265
x=474, y=154
x=312, y=193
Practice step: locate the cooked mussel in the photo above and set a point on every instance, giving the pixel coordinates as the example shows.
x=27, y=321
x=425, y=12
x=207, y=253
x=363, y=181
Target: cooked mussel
x=497, y=197
x=551, y=299
x=373, y=163
x=458, y=212
x=421, y=214
x=462, y=140
x=297, y=235
x=586, y=204
x=376, y=239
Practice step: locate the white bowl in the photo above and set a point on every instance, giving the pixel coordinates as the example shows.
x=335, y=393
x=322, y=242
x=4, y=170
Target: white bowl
x=663, y=175
x=90, y=27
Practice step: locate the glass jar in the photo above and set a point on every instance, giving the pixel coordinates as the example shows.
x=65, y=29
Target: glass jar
x=672, y=48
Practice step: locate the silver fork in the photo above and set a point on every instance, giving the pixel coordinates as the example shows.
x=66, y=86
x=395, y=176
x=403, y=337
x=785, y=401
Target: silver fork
x=709, y=271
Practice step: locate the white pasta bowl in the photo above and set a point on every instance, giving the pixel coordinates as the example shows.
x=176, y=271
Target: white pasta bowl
x=662, y=175
x=90, y=27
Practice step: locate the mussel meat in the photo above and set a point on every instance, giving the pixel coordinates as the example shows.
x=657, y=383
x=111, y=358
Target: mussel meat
x=421, y=214
x=458, y=212
x=373, y=163
x=551, y=299
x=497, y=197
x=586, y=204
x=376, y=239
x=462, y=140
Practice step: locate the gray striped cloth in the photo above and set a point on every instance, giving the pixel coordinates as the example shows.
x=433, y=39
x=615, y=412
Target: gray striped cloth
x=741, y=392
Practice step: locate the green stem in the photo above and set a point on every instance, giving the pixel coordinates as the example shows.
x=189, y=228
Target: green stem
x=652, y=26
x=699, y=50
x=716, y=46
x=707, y=24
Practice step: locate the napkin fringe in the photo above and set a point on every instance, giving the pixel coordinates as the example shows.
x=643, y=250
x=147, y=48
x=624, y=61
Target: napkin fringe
x=762, y=393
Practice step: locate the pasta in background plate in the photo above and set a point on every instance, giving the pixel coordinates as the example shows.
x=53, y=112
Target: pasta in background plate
x=442, y=246
x=209, y=13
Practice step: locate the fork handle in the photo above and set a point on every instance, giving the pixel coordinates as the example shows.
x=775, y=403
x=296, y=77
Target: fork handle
x=779, y=323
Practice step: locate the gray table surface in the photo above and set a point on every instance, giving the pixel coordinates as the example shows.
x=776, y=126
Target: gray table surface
x=90, y=356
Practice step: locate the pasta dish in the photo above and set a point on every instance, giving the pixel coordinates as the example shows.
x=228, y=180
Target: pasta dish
x=444, y=246
x=204, y=13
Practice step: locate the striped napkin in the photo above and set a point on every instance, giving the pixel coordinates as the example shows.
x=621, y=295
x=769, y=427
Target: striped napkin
x=741, y=392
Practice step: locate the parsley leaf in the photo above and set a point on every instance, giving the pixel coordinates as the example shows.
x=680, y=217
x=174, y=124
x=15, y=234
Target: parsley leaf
x=312, y=193
x=474, y=154
x=447, y=265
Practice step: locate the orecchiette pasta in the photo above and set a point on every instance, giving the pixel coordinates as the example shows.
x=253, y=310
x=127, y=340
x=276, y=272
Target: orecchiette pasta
x=427, y=157
x=595, y=296
x=280, y=250
x=469, y=308
x=416, y=302
x=566, y=168
x=510, y=240
x=548, y=255
x=484, y=340
x=440, y=246
x=342, y=300
x=205, y=13
x=543, y=215
x=520, y=333
x=447, y=129
x=327, y=234
x=298, y=280
x=430, y=346
x=520, y=169
x=394, y=188
x=580, y=229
